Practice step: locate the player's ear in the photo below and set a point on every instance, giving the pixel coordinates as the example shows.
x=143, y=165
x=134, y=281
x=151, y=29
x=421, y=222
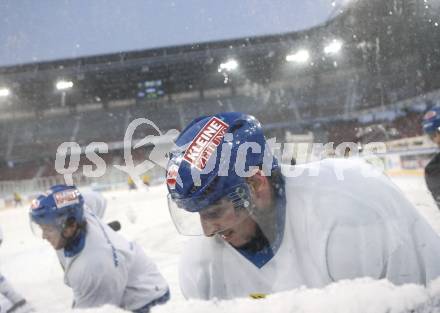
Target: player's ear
x=258, y=183
x=70, y=228
x=261, y=190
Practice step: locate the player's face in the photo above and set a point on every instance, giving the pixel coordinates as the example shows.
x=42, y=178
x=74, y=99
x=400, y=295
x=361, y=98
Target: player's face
x=236, y=226
x=53, y=236
x=435, y=137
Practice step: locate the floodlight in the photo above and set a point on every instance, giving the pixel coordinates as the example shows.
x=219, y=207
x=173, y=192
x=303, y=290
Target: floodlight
x=228, y=66
x=333, y=47
x=301, y=56
x=63, y=85
x=4, y=92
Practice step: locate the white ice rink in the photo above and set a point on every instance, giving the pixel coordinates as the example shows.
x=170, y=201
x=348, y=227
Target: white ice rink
x=32, y=267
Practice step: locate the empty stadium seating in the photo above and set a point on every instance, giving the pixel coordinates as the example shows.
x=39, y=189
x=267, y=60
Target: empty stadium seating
x=29, y=144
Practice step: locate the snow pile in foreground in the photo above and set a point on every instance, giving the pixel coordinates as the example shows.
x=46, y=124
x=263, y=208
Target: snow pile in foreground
x=361, y=295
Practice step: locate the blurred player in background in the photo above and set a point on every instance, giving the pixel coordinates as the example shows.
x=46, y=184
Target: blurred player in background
x=270, y=228
x=18, y=201
x=146, y=180
x=10, y=300
x=131, y=184
x=100, y=266
x=431, y=126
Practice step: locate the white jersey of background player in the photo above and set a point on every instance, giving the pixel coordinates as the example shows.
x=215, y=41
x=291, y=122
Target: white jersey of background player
x=271, y=234
x=10, y=299
x=94, y=202
x=100, y=266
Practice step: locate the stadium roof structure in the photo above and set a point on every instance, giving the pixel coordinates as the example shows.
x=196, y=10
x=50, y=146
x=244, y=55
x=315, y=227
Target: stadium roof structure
x=181, y=68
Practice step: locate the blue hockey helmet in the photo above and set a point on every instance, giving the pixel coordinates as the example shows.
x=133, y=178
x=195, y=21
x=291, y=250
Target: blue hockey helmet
x=59, y=204
x=431, y=120
x=215, y=154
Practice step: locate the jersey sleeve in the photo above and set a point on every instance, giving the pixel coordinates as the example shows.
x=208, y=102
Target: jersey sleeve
x=355, y=251
x=193, y=273
x=98, y=282
x=8, y=291
x=383, y=236
x=427, y=244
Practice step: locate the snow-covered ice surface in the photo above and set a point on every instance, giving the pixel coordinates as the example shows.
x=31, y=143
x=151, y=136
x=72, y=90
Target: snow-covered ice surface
x=32, y=267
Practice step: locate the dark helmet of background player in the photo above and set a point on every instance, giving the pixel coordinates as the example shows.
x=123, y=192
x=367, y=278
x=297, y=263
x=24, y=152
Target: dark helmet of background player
x=431, y=121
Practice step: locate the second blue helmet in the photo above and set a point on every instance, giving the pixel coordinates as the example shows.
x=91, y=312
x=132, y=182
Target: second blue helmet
x=431, y=120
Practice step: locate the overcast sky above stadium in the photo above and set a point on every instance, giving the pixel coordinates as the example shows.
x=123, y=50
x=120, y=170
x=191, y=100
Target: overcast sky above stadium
x=33, y=31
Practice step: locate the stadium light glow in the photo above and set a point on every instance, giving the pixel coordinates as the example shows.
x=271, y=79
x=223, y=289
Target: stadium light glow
x=64, y=85
x=333, y=47
x=301, y=56
x=228, y=66
x=4, y=92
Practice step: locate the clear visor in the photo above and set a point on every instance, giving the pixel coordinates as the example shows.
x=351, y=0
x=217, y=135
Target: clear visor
x=37, y=229
x=49, y=229
x=216, y=219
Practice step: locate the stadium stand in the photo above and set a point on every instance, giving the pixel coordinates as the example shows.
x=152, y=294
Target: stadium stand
x=331, y=97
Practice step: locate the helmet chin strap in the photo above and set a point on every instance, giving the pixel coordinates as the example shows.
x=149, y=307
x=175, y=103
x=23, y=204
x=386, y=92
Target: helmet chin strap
x=265, y=217
x=68, y=239
x=71, y=238
x=75, y=243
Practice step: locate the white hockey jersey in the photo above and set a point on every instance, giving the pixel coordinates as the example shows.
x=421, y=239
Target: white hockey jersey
x=110, y=270
x=10, y=299
x=334, y=229
x=94, y=202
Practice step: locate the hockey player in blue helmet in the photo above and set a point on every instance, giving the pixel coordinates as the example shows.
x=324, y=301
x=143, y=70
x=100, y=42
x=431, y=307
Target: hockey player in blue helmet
x=224, y=182
x=431, y=126
x=60, y=215
x=99, y=265
x=267, y=230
